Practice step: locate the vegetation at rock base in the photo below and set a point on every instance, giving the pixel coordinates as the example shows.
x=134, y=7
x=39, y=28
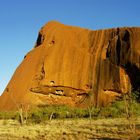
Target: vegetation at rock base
x=120, y=120
x=118, y=109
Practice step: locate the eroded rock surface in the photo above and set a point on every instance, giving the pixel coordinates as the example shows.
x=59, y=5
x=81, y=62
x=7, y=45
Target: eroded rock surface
x=67, y=63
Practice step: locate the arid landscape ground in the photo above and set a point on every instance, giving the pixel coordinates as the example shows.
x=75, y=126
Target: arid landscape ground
x=70, y=129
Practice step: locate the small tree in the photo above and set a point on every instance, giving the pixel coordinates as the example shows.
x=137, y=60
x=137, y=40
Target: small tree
x=90, y=107
x=21, y=118
x=129, y=102
x=20, y=109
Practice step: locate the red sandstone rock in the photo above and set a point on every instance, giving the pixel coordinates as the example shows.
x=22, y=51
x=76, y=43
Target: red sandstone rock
x=69, y=62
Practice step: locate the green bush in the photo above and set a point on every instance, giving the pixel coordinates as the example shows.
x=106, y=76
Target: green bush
x=42, y=113
x=118, y=109
x=9, y=115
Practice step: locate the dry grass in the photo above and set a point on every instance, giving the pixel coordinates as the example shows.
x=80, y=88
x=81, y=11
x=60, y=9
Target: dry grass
x=69, y=129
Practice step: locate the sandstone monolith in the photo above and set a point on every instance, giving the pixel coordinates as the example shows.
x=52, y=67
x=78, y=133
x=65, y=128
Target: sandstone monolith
x=75, y=66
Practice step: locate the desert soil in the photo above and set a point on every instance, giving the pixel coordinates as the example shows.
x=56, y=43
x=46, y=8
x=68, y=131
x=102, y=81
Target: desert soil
x=71, y=129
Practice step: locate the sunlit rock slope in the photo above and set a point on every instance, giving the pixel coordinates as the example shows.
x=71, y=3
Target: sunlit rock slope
x=74, y=66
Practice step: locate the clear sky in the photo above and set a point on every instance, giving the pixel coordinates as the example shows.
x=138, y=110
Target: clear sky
x=20, y=21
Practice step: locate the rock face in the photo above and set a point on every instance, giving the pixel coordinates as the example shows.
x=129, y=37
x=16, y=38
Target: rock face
x=75, y=66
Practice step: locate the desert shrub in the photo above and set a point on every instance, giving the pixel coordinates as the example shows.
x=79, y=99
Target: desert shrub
x=61, y=112
x=134, y=108
x=95, y=112
x=79, y=113
x=109, y=112
x=135, y=95
x=43, y=113
x=47, y=112
x=37, y=115
x=118, y=109
x=9, y=115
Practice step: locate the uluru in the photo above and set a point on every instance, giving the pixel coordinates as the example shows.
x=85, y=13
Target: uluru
x=68, y=64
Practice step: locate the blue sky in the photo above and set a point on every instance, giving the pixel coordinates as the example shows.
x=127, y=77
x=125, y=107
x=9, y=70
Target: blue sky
x=20, y=21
